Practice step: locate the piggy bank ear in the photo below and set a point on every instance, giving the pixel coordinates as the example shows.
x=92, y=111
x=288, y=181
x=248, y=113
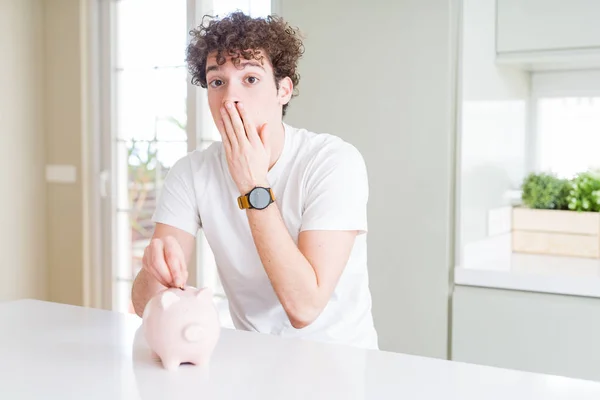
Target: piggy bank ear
x=167, y=299
x=204, y=293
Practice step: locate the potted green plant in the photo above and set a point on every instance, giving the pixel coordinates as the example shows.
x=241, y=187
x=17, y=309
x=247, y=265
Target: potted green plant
x=584, y=192
x=558, y=216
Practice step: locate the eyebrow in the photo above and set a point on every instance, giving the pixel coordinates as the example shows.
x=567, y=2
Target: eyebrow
x=243, y=64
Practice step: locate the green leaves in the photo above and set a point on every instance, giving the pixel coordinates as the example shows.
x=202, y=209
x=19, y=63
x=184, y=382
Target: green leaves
x=584, y=193
x=546, y=191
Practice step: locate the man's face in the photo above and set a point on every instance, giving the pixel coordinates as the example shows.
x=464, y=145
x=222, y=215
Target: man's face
x=251, y=83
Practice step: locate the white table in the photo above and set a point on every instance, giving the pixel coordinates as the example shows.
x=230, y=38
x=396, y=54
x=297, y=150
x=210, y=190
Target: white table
x=53, y=351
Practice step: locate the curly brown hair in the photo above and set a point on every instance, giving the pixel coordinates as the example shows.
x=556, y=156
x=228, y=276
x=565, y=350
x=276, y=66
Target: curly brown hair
x=238, y=35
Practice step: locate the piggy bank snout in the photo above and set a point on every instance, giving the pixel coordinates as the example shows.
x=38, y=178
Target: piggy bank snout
x=193, y=333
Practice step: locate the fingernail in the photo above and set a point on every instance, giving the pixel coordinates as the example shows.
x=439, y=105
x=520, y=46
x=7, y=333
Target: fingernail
x=240, y=105
x=228, y=105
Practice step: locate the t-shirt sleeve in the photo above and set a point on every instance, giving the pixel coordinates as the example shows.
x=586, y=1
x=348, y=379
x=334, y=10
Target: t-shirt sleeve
x=337, y=191
x=176, y=203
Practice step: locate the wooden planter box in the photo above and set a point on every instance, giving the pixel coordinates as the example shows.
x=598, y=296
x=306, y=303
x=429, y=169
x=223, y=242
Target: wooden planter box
x=556, y=232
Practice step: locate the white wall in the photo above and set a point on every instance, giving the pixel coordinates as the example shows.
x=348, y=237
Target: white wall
x=380, y=75
x=22, y=154
x=493, y=126
x=534, y=332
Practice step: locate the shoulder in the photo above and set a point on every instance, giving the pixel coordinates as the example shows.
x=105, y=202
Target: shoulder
x=326, y=148
x=194, y=161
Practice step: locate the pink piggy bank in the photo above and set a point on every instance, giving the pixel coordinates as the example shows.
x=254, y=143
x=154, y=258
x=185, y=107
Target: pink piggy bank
x=182, y=326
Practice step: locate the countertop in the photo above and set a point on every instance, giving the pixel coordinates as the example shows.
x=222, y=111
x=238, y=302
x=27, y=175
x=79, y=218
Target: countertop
x=491, y=263
x=55, y=351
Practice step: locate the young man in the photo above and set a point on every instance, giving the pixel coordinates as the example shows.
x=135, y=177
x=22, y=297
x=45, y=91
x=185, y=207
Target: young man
x=284, y=210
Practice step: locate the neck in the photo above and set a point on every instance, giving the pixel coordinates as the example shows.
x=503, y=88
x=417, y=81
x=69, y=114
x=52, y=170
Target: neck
x=277, y=139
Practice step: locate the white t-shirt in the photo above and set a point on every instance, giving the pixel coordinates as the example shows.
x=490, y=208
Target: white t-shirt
x=320, y=183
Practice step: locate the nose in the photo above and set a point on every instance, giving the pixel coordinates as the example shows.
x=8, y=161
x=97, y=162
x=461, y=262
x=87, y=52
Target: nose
x=231, y=94
x=229, y=100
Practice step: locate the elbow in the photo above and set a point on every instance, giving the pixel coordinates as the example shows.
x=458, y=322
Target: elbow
x=300, y=323
x=302, y=318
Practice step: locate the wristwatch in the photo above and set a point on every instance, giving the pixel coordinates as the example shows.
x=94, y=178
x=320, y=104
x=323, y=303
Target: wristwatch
x=258, y=198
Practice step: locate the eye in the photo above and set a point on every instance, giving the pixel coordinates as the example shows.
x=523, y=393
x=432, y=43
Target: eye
x=216, y=83
x=252, y=80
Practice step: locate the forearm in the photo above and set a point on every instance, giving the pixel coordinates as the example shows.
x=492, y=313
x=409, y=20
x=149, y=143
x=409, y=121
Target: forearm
x=145, y=286
x=292, y=276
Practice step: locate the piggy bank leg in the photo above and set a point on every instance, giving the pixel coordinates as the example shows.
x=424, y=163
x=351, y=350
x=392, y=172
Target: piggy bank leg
x=201, y=362
x=170, y=363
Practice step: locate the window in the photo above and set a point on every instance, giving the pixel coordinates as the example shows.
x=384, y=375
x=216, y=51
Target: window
x=150, y=115
x=150, y=121
x=569, y=134
x=566, y=117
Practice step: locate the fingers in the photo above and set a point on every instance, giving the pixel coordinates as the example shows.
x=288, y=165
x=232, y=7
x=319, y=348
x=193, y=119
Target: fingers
x=156, y=264
x=248, y=126
x=165, y=261
x=236, y=122
x=224, y=137
x=175, y=261
x=229, y=130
